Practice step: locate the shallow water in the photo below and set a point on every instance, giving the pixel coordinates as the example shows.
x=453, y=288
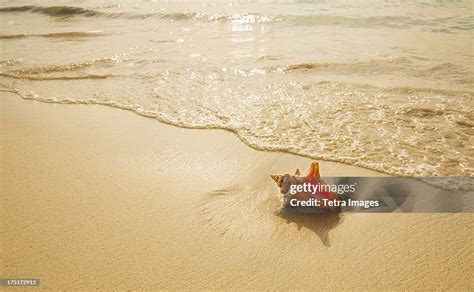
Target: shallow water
x=386, y=85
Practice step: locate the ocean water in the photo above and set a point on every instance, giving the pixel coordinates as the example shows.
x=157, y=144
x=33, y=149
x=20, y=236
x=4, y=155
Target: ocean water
x=386, y=85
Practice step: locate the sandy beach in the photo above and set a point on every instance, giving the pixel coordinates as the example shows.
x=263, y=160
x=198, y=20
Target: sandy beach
x=95, y=197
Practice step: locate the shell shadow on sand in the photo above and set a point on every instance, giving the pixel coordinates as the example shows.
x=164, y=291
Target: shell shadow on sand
x=248, y=212
x=252, y=208
x=320, y=224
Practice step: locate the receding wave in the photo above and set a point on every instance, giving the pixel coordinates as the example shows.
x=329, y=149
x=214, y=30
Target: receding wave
x=444, y=25
x=377, y=65
x=447, y=25
x=68, y=11
x=62, y=68
x=69, y=34
x=453, y=73
x=445, y=72
x=53, y=10
x=58, y=78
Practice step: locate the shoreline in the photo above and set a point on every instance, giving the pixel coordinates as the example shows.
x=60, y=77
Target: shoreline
x=360, y=170
x=156, y=118
x=96, y=198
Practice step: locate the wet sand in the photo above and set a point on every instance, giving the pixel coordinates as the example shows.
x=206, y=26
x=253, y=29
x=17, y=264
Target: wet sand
x=95, y=197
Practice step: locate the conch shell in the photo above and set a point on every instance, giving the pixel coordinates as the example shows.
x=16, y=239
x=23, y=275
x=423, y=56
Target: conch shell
x=313, y=177
x=312, y=173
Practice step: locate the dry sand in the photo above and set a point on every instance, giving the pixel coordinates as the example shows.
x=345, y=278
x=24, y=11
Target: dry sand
x=94, y=197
